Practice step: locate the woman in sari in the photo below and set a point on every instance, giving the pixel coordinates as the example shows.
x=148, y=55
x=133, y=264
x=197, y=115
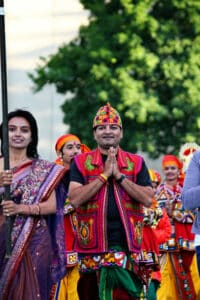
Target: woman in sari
x=37, y=257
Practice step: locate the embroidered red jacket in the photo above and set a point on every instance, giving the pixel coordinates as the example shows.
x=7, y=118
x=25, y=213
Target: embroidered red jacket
x=91, y=217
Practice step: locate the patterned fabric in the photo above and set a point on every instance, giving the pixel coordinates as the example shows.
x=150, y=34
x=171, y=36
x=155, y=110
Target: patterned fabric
x=134, y=262
x=179, y=249
x=37, y=243
x=177, y=282
x=153, y=214
x=91, y=238
x=157, y=230
x=88, y=263
x=181, y=220
x=107, y=115
x=117, y=268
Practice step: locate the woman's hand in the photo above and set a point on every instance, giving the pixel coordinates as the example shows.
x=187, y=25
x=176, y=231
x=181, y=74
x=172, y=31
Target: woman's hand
x=10, y=208
x=6, y=177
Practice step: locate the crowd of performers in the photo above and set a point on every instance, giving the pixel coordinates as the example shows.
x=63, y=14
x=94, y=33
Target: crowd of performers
x=53, y=238
x=168, y=262
x=179, y=274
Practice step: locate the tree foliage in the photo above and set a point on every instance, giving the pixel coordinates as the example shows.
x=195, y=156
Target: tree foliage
x=143, y=57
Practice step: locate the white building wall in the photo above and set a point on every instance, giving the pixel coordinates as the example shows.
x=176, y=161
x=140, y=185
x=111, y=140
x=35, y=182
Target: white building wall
x=37, y=28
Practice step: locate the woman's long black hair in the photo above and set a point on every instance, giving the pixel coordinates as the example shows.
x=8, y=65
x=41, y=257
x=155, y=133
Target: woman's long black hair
x=32, y=151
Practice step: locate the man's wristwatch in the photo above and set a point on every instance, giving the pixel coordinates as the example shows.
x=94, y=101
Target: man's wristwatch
x=122, y=177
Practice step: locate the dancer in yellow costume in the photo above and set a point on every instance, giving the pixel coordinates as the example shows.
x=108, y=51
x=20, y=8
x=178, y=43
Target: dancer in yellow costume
x=179, y=270
x=68, y=146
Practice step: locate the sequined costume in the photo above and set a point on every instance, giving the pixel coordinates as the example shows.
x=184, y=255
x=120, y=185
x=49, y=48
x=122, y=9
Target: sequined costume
x=156, y=230
x=178, y=251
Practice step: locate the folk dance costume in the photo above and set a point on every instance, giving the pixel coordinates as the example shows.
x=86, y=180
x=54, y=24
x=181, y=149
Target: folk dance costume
x=178, y=252
x=109, y=224
x=114, y=261
x=156, y=230
x=66, y=289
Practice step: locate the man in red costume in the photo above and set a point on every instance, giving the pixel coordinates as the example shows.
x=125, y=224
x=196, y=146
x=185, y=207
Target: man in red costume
x=109, y=187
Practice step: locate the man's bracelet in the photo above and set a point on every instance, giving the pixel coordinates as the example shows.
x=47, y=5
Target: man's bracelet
x=122, y=177
x=103, y=177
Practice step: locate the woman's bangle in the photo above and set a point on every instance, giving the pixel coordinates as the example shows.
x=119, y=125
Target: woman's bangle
x=34, y=209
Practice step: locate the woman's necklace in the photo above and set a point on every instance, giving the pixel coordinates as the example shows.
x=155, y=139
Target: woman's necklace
x=16, y=163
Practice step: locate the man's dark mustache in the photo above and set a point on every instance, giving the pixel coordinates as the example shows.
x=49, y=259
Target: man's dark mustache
x=107, y=136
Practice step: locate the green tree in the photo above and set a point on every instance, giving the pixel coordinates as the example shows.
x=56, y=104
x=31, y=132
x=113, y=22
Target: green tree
x=143, y=57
